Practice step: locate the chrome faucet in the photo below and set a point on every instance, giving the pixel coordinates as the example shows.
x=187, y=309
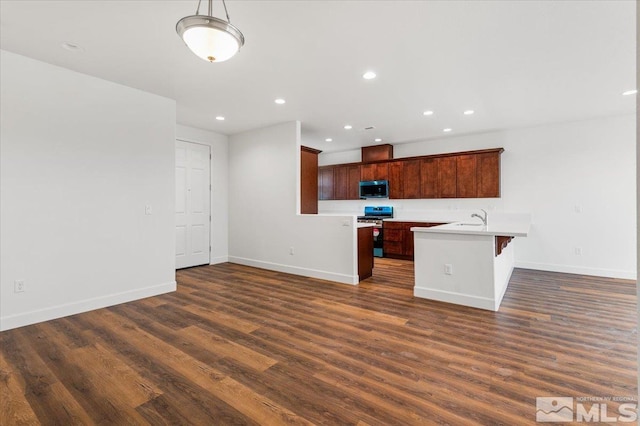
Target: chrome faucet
x=483, y=219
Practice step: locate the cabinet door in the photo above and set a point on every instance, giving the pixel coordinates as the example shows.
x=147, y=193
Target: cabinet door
x=381, y=171
x=466, y=184
x=429, y=178
x=411, y=182
x=340, y=182
x=393, y=241
x=396, y=179
x=367, y=172
x=488, y=175
x=408, y=238
x=375, y=171
x=353, y=190
x=377, y=152
x=308, y=181
x=325, y=182
x=447, y=177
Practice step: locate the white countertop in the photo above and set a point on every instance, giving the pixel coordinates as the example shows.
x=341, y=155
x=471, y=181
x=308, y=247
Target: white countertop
x=511, y=228
x=425, y=219
x=365, y=225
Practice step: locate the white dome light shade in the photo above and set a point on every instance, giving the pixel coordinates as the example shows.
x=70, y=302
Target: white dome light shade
x=212, y=39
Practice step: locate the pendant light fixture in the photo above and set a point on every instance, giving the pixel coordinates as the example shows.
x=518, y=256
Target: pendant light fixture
x=210, y=38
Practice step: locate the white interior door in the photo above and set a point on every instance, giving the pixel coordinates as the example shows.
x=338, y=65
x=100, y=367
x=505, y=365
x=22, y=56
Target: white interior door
x=193, y=201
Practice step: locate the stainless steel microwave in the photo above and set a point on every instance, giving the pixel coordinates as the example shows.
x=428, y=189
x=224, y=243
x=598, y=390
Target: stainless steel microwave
x=374, y=189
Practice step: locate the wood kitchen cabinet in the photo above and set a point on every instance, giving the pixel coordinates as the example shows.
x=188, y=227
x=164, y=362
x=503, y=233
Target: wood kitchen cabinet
x=346, y=182
x=365, y=252
x=325, y=182
x=461, y=176
x=309, y=180
x=429, y=178
x=377, y=153
x=396, y=179
x=447, y=179
x=466, y=176
x=375, y=171
x=398, y=238
x=340, y=182
x=471, y=174
x=488, y=174
x=411, y=179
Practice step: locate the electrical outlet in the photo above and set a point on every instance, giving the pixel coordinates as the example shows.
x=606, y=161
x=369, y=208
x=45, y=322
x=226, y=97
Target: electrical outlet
x=147, y=210
x=292, y=251
x=577, y=251
x=18, y=286
x=448, y=269
x=578, y=208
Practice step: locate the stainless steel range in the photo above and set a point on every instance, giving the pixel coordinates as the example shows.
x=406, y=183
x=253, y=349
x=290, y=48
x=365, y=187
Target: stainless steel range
x=375, y=215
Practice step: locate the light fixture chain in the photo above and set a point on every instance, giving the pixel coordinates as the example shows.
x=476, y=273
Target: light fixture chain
x=210, y=8
x=198, y=9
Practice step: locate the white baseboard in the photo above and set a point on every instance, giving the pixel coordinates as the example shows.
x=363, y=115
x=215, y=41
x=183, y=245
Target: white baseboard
x=219, y=259
x=457, y=298
x=46, y=314
x=580, y=270
x=296, y=270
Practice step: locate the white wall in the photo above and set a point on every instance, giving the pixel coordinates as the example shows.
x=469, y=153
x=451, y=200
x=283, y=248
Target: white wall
x=219, y=187
x=80, y=159
x=264, y=175
x=577, y=179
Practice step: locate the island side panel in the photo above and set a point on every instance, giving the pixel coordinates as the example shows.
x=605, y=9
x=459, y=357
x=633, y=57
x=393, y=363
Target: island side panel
x=503, y=267
x=471, y=257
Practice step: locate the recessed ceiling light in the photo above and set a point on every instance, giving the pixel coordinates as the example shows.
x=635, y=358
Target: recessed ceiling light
x=369, y=75
x=630, y=92
x=328, y=140
x=469, y=112
x=378, y=140
x=220, y=118
x=280, y=101
x=71, y=47
x=447, y=130
x=427, y=113
x=348, y=127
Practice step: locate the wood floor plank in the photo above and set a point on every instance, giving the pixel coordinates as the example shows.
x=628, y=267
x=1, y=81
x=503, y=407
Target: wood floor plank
x=241, y=345
x=50, y=400
x=225, y=348
x=14, y=408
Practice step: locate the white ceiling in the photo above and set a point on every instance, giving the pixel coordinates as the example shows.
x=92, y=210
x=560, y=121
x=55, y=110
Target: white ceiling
x=516, y=63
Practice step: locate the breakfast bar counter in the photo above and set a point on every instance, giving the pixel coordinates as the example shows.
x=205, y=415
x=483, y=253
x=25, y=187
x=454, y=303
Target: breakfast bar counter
x=465, y=263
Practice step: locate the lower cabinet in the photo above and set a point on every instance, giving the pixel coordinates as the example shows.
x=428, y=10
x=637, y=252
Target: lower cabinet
x=398, y=238
x=365, y=252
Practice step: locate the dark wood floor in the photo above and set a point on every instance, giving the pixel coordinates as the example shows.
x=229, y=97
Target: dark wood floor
x=237, y=345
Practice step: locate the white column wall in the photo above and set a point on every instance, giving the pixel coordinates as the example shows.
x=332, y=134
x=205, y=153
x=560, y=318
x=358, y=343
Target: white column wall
x=264, y=226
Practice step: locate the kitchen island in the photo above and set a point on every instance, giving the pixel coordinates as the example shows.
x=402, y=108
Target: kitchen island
x=468, y=264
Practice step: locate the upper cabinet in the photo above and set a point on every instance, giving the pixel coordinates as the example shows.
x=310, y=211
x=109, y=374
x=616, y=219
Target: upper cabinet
x=472, y=174
x=488, y=174
x=377, y=153
x=325, y=183
x=375, y=171
x=309, y=180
